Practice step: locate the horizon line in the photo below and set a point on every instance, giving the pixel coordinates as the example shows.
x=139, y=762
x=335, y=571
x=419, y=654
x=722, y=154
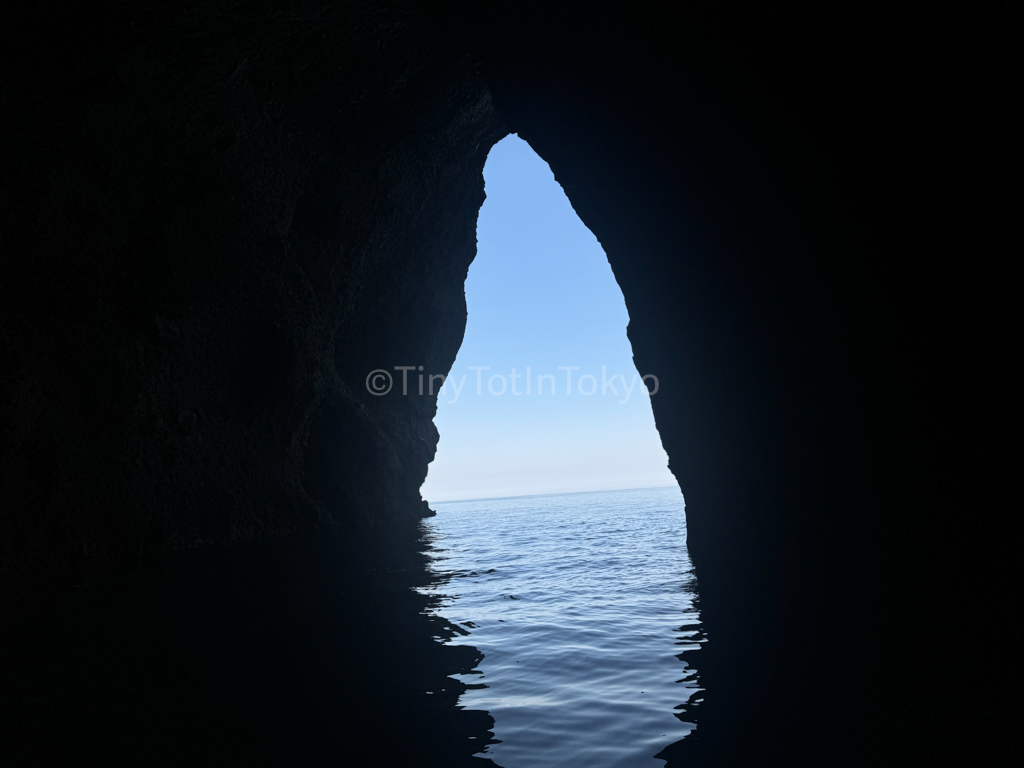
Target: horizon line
x=558, y=493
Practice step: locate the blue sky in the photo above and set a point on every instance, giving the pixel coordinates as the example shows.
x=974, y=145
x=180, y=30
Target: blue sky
x=542, y=297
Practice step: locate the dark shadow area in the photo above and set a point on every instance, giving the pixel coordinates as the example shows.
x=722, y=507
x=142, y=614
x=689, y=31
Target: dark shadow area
x=302, y=651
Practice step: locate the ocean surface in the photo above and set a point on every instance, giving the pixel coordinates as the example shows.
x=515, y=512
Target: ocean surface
x=584, y=607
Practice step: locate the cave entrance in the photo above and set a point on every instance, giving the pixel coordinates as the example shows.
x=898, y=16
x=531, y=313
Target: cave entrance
x=543, y=396
x=558, y=547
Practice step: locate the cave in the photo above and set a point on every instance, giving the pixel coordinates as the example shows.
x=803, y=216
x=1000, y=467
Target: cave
x=219, y=217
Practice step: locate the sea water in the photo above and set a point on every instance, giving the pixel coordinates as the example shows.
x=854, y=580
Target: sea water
x=584, y=606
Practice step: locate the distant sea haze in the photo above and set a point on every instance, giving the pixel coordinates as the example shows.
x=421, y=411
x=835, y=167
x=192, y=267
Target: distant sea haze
x=583, y=606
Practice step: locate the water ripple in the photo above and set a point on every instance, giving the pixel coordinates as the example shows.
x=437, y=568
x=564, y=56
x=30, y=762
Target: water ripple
x=583, y=606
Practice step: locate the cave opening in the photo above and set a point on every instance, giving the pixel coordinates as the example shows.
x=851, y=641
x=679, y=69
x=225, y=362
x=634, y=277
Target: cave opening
x=558, y=519
x=544, y=396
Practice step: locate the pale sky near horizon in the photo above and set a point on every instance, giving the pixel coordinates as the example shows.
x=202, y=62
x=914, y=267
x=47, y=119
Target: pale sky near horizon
x=541, y=298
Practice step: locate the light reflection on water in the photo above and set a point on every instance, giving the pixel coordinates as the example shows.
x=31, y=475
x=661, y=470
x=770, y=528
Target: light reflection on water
x=583, y=606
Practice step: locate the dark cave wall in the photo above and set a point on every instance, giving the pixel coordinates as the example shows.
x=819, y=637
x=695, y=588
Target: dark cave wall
x=216, y=224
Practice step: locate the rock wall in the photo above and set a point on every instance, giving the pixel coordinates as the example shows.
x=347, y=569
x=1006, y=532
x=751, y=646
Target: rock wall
x=212, y=235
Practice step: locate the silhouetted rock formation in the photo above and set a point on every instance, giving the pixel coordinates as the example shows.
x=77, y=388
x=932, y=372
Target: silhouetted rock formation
x=217, y=243
x=218, y=218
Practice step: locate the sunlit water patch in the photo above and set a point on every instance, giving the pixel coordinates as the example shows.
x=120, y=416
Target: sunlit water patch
x=584, y=606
